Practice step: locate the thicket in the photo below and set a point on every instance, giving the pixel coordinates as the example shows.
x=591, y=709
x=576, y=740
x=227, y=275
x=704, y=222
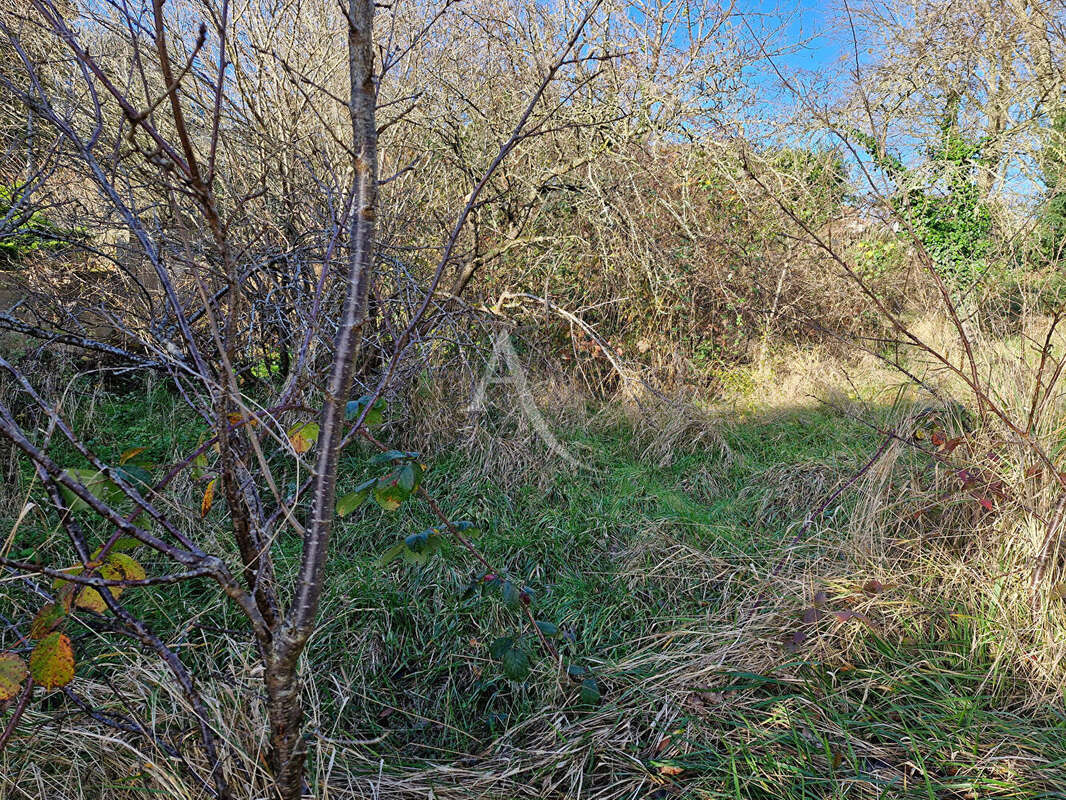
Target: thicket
x=304, y=220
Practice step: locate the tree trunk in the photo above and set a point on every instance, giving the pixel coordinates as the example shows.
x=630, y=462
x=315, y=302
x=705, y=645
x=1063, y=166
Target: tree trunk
x=285, y=703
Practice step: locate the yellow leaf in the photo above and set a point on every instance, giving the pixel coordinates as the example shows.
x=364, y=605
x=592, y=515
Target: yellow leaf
x=52, y=661
x=91, y=600
x=132, y=453
x=12, y=673
x=302, y=436
x=209, y=498
x=128, y=567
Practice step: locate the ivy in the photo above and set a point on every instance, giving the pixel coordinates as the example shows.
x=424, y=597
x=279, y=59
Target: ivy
x=943, y=204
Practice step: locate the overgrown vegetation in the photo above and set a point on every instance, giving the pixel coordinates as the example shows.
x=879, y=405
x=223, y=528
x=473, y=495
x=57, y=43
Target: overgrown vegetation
x=464, y=400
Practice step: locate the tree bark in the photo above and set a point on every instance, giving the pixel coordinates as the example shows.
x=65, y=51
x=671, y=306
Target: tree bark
x=283, y=687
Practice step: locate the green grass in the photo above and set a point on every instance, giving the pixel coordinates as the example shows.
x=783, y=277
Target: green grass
x=640, y=565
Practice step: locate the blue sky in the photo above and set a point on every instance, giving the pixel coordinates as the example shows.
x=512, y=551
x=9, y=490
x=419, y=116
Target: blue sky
x=802, y=21
x=808, y=21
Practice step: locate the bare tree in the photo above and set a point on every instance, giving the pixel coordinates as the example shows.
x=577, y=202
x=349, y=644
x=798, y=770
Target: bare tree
x=159, y=116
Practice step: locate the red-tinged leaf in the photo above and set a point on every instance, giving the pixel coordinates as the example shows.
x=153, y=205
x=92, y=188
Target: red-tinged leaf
x=47, y=620
x=937, y=438
x=302, y=436
x=389, y=493
x=820, y=598
x=237, y=418
x=52, y=661
x=986, y=504
x=811, y=616
x=951, y=444
x=209, y=498
x=795, y=640
x=131, y=453
x=12, y=674
x=873, y=587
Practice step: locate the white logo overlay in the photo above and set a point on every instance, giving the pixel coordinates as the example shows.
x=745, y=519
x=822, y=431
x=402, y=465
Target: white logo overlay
x=516, y=376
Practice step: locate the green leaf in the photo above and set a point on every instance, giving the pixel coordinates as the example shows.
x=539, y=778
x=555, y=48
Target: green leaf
x=411, y=557
x=388, y=493
x=420, y=546
x=347, y=504
x=124, y=544
x=136, y=476
x=501, y=646
x=516, y=664
x=549, y=629
x=352, y=501
x=47, y=620
x=576, y=671
x=467, y=528
x=392, y=455
x=471, y=587
x=376, y=415
x=409, y=475
x=392, y=554
x=99, y=485
x=427, y=541
x=510, y=594
x=199, y=463
x=590, y=691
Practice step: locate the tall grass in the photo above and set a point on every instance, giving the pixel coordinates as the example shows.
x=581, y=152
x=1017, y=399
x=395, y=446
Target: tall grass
x=888, y=647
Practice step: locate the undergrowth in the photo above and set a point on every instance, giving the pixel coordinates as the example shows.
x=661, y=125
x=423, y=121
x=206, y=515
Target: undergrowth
x=744, y=649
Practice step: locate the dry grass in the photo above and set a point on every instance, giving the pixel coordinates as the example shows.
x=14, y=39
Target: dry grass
x=888, y=654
